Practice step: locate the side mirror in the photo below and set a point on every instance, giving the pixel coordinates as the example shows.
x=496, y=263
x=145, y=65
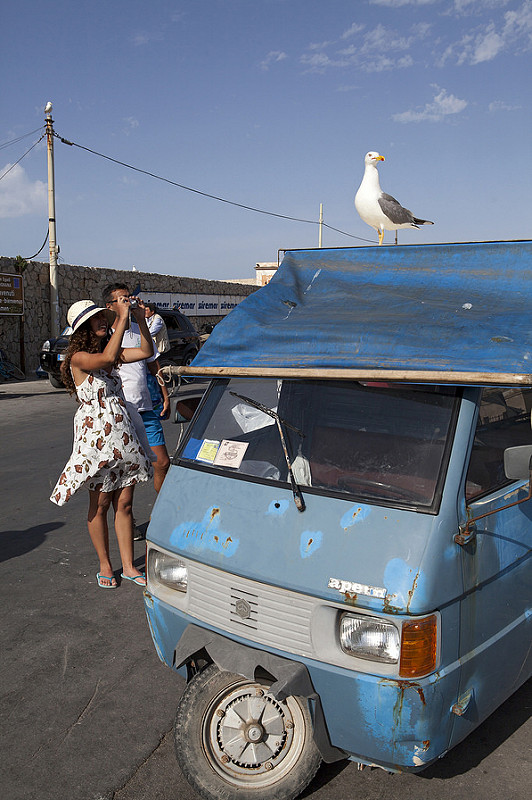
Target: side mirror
x=517, y=462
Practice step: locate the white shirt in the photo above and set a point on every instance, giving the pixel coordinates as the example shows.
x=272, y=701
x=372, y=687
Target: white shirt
x=134, y=381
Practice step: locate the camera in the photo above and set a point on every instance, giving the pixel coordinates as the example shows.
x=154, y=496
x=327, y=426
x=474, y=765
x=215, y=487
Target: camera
x=133, y=302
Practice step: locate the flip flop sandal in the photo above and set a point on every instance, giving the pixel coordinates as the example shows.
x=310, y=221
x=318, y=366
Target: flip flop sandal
x=135, y=579
x=101, y=578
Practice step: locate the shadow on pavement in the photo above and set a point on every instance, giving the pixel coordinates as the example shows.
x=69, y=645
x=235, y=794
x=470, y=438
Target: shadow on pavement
x=18, y=395
x=324, y=776
x=17, y=543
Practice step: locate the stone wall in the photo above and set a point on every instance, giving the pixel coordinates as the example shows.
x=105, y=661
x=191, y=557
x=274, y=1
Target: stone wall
x=21, y=338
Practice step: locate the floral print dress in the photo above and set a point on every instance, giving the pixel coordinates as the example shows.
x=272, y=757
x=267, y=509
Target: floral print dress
x=107, y=453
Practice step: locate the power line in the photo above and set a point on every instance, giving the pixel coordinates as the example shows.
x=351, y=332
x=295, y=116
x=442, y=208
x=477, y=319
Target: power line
x=30, y=258
x=206, y=194
x=21, y=157
x=18, y=139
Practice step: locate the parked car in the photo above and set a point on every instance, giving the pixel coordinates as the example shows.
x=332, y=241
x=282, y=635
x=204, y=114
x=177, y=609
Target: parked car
x=184, y=338
x=52, y=354
x=184, y=345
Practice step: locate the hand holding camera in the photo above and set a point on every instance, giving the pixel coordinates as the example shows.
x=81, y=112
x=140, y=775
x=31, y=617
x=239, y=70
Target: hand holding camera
x=136, y=306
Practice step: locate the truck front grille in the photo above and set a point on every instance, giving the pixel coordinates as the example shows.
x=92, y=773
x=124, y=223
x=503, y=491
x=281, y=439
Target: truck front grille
x=264, y=614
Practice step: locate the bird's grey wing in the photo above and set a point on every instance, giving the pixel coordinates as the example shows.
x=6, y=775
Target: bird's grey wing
x=394, y=210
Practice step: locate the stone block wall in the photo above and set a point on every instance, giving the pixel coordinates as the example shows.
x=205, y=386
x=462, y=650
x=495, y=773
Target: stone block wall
x=21, y=338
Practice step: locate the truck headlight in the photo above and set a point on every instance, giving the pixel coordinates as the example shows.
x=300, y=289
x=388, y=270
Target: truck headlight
x=168, y=570
x=370, y=638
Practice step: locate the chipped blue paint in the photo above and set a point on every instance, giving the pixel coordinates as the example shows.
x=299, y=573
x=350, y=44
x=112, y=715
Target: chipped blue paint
x=309, y=542
x=157, y=625
x=355, y=514
x=401, y=581
x=278, y=507
x=196, y=536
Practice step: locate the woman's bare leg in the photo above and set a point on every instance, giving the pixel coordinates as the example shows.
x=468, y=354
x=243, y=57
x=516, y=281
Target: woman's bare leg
x=99, y=503
x=122, y=504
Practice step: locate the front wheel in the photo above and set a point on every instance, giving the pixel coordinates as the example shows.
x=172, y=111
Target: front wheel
x=55, y=382
x=235, y=741
x=189, y=357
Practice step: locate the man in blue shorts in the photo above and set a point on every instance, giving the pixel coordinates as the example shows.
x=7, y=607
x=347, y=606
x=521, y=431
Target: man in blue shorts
x=137, y=391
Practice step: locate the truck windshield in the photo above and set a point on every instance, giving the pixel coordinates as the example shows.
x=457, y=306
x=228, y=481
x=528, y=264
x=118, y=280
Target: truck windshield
x=385, y=443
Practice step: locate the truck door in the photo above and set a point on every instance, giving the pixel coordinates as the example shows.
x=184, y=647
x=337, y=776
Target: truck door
x=496, y=623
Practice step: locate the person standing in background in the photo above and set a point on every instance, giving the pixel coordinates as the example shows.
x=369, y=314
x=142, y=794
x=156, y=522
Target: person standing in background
x=157, y=328
x=135, y=385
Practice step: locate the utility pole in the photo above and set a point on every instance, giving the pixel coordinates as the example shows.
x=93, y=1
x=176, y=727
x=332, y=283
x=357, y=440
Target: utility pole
x=320, y=235
x=54, y=249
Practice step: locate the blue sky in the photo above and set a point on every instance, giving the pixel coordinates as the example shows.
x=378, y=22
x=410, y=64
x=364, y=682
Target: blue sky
x=267, y=103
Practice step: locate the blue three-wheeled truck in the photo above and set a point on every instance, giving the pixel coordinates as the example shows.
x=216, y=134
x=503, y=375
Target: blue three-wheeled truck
x=339, y=559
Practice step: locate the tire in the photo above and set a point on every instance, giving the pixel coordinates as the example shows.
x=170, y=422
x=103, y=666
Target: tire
x=235, y=741
x=189, y=357
x=56, y=383
x=11, y=371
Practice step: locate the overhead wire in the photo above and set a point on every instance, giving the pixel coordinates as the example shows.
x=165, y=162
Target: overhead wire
x=30, y=258
x=15, y=141
x=22, y=156
x=19, y=138
x=206, y=194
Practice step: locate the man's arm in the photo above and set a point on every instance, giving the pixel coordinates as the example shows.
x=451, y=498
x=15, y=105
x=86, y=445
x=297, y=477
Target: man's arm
x=154, y=367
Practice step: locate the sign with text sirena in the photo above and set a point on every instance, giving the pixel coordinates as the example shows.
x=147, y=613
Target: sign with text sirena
x=11, y=294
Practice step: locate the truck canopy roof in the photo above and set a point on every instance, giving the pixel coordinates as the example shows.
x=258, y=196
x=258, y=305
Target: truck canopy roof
x=448, y=313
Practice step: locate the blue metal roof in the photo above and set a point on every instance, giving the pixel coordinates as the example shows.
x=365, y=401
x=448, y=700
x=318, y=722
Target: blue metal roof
x=447, y=308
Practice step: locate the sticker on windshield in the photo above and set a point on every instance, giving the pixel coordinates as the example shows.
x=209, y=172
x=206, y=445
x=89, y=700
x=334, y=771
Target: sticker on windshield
x=208, y=450
x=230, y=454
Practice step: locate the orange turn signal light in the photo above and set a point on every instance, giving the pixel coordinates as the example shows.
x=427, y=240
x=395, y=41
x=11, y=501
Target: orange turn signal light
x=419, y=647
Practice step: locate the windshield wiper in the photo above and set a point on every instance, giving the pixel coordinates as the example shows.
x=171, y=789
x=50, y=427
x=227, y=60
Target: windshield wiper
x=296, y=491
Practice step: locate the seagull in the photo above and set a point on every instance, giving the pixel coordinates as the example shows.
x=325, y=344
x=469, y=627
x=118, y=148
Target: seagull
x=378, y=209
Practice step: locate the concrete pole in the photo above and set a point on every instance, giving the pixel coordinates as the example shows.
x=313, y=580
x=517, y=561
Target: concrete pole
x=320, y=236
x=52, y=240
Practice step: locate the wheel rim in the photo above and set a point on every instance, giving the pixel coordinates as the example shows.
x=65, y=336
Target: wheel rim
x=250, y=738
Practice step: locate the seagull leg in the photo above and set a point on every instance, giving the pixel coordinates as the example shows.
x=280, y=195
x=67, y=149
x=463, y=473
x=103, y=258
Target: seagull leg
x=381, y=235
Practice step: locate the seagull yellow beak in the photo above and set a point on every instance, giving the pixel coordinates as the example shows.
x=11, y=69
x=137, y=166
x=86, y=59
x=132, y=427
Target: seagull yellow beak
x=380, y=158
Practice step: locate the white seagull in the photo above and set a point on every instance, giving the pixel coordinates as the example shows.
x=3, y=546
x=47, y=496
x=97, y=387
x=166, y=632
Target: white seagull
x=378, y=209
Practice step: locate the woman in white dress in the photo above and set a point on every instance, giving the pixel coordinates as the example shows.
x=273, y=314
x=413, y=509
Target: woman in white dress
x=108, y=457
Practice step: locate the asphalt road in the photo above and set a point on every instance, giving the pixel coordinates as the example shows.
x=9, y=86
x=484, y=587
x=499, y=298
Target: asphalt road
x=87, y=708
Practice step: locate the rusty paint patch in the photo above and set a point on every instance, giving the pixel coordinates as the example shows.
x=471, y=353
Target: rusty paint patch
x=412, y=590
x=403, y=685
x=351, y=599
x=353, y=516
x=387, y=606
x=214, y=513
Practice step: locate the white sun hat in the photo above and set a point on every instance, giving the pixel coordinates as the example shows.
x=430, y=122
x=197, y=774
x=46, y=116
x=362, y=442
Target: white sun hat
x=80, y=312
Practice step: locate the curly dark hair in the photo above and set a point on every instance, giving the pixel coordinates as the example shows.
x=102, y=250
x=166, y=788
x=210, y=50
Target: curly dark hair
x=81, y=340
